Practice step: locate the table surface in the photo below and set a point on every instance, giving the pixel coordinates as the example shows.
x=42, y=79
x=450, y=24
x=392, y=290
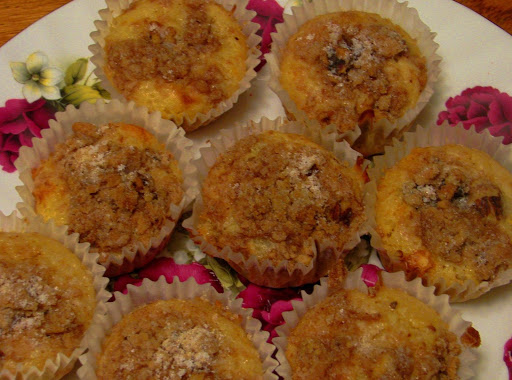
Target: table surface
x=18, y=15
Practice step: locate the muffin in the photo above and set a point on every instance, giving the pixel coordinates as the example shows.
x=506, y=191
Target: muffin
x=281, y=200
x=375, y=333
x=115, y=174
x=178, y=330
x=50, y=293
x=188, y=59
x=443, y=214
x=176, y=339
x=355, y=72
x=113, y=184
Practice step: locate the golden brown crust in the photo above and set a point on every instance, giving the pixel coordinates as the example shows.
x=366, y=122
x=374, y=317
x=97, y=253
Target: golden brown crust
x=113, y=184
x=274, y=195
x=353, y=68
x=47, y=300
x=179, y=57
x=386, y=334
x=444, y=213
x=179, y=339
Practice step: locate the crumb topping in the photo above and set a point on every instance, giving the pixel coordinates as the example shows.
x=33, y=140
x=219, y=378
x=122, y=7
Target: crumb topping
x=178, y=339
x=274, y=195
x=362, y=65
x=459, y=210
x=26, y=300
x=39, y=316
x=160, y=52
x=188, y=352
x=383, y=335
x=120, y=193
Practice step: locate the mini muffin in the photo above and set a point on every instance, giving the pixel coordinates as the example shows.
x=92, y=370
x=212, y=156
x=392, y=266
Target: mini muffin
x=180, y=330
x=353, y=69
x=281, y=199
x=184, y=58
x=443, y=214
x=363, y=70
x=179, y=339
x=395, y=330
x=48, y=300
x=115, y=184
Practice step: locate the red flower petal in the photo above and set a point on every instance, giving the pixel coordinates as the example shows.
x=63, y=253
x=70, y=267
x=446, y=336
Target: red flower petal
x=476, y=109
x=15, y=107
x=505, y=100
x=11, y=144
x=13, y=126
x=7, y=162
x=480, y=123
x=495, y=113
x=370, y=274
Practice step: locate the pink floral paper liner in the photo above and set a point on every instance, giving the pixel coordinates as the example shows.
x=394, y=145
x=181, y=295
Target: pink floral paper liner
x=100, y=113
x=264, y=273
x=452, y=317
x=398, y=13
x=241, y=14
x=62, y=364
x=438, y=136
x=150, y=291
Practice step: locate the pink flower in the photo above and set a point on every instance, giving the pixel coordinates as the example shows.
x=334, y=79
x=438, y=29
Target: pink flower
x=166, y=267
x=269, y=305
x=507, y=357
x=20, y=121
x=269, y=13
x=370, y=274
x=484, y=107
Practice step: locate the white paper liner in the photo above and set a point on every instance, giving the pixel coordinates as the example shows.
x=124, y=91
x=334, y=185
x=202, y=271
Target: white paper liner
x=151, y=291
x=400, y=14
x=452, y=317
x=438, y=136
x=249, y=29
x=264, y=273
x=100, y=113
x=60, y=365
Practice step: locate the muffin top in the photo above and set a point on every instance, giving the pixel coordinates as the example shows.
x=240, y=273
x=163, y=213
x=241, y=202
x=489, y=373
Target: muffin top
x=352, y=68
x=47, y=297
x=382, y=334
x=444, y=213
x=179, y=339
x=274, y=195
x=113, y=184
x=180, y=57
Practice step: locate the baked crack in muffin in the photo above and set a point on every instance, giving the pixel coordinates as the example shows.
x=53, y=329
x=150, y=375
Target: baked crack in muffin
x=279, y=197
x=179, y=339
x=351, y=69
x=47, y=300
x=114, y=184
x=443, y=214
x=179, y=57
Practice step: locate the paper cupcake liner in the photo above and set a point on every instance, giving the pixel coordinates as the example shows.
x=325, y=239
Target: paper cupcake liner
x=400, y=14
x=151, y=291
x=438, y=136
x=62, y=364
x=101, y=113
x=249, y=29
x=452, y=317
x=264, y=273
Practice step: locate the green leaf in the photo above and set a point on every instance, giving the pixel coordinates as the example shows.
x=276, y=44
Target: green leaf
x=226, y=275
x=76, y=71
x=104, y=93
